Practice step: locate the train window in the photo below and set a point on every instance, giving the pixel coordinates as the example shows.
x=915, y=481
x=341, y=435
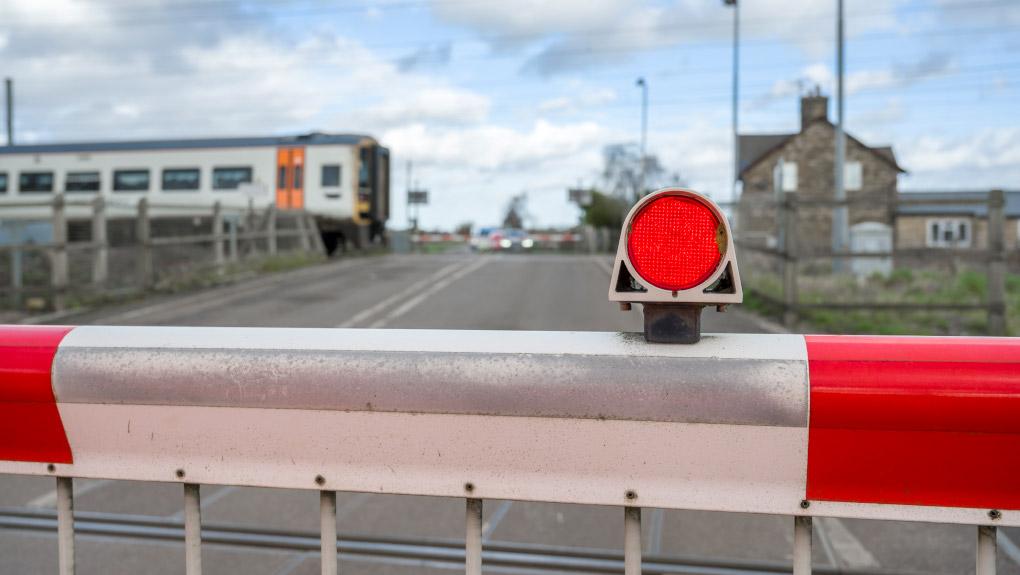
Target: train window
x=281, y=178
x=3, y=182
x=82, y=182
x=230, y=178
x=35, y=182
x=331, y=176
x=364, y=180
x=299, y=176
x=181, y=179
x=131, y=181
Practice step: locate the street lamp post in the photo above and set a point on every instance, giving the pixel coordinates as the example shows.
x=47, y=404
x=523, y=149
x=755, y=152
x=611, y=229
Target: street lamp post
x=736, y=93
x=641, y=83
x=840, y=224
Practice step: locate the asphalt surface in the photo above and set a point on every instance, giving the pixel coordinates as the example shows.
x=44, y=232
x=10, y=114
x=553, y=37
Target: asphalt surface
x=459, y=291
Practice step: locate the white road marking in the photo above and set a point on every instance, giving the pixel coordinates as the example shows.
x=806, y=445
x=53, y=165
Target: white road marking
x=218, y=296
x=433, y=289
x=403, y=294
x=658, y=517
x=602, y=263
x=1008, y=547
x=849, y=550
x=495, y=520
x=81, y=487
x=207, y=500
x=823, y=538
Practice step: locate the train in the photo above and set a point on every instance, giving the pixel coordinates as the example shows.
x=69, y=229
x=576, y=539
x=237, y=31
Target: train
x=343, y=180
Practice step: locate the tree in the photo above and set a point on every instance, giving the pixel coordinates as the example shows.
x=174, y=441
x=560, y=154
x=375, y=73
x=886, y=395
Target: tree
x=606, y=210
x=621, y=172
x=464, y=228
x=516, y=212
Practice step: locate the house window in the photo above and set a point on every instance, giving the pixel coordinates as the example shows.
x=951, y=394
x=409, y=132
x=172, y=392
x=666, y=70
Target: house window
x=181, y=179
x=784, y=176
x=949, y=233
x=35, y=182
x=331, y=176
x=3, y=182
x=852, y=176
x=230, y=178
x=82, y=182
x=131, y=181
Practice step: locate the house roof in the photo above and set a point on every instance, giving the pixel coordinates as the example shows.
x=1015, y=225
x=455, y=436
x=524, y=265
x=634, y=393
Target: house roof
x=1012, y=208
x=310, y=139
x=754, y=147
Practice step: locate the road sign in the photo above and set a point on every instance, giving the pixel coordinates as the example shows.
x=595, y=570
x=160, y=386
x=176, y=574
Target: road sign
x=579, y=196
x=418, y=197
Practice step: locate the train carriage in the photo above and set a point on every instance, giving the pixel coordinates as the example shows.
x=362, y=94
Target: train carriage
x=342, y=179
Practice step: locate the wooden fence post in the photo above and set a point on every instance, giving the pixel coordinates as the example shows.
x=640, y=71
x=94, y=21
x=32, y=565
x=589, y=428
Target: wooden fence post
x=217, y=233
x=306, y=245
x=315, y=238
x=100, y=248
x=996, y=263
x=232, y=239
x=790, y=264
x=271, y=229
x=17, y=265
x=143, y=232
x=58, y=259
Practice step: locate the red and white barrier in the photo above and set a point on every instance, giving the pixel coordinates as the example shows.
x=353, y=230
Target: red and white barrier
x=905, y=428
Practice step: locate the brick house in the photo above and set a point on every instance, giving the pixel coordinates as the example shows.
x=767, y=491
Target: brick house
x=803, y=162
x=942, y=225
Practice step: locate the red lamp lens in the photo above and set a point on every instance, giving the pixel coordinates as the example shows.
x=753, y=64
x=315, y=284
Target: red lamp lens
x=673, y=242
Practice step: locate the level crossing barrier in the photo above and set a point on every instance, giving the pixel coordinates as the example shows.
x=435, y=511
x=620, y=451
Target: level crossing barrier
x=894, y=428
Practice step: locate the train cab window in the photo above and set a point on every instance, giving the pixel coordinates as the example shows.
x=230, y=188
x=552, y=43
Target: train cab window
x=230, y=178
x=3, y=182
x=331, y=175
x=35, y=182
x=181, y=179
x=299, y=173
x=131, y=181
x=281, y=178
x=82, y=182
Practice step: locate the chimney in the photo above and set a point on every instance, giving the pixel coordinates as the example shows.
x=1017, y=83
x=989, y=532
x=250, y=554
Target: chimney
x=813, y=107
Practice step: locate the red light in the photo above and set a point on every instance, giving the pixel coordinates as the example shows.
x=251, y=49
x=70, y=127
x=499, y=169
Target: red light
x=673, y=242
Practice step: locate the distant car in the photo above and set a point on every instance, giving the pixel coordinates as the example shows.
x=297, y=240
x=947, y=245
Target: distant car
x=482, y=240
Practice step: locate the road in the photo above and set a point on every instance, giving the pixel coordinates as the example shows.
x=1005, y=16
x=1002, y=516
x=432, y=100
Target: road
x=458, y=291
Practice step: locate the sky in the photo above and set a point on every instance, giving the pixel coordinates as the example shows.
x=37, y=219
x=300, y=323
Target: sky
x=489, y=99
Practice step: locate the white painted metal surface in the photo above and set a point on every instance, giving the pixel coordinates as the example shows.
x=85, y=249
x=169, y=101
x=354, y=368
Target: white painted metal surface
x=986, y=550
x=632, y=541
x=327, y=530
x=473, y=537
x=192, y=529
x=65, y=525
x=802, y=545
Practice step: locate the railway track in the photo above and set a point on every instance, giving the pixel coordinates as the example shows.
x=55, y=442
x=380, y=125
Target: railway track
x=433, y=552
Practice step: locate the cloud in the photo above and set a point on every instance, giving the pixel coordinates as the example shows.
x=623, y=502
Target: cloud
x=493, y=147
x=443, y=105
x=979, y=152
x=898, y=75
x=426, y=56
x=572, y=35
x=583, y=98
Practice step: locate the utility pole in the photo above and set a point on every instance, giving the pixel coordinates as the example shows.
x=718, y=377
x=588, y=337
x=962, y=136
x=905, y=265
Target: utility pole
x=9, y=87
x=407, y=195
x=641, y=83
x=736, y=94
x=840, y=224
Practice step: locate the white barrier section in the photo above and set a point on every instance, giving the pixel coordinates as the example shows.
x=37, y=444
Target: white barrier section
x=593, y=418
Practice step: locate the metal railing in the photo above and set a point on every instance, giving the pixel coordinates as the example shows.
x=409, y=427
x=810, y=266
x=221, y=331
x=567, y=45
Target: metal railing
x=562, y=417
